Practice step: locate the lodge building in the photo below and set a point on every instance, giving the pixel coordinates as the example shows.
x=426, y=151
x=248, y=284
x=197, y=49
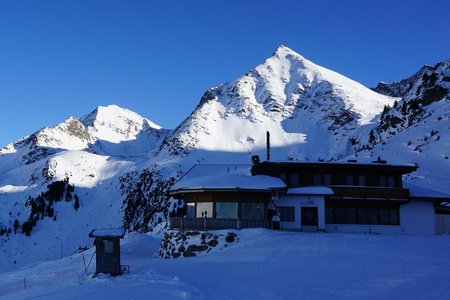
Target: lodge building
x=320, y=196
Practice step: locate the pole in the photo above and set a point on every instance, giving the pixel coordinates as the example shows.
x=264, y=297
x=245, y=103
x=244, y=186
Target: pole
x=25, y=283
x=84, y=263
x=268, y=145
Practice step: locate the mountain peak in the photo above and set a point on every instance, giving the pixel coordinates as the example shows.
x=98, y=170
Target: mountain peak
x=283, y=51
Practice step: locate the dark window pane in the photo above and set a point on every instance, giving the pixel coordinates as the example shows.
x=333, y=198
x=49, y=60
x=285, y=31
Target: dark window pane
x=363, y=216
x=227, y=210
x=350, y=180
x=287, y=213
x=351, y=215
x=391, y=181
x=383, y=181
x=283, y=177
x=317, y=179
x=384, y=216
x=295, y=180
x=362, y=180
x=327, y=179
x=329, y=215
x=252, y=211
x=373, y=215
x=340, y=214
x=393, y=217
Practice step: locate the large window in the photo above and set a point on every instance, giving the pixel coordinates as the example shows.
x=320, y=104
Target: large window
x=362, y=215
x=349, y=179
x=204, y=209
x=361, y=180
x=190, y=211
x=252, y=211
x=322, y=179
x=387, y=181
x=295, y=179
x=227, y=210
x=287, y=213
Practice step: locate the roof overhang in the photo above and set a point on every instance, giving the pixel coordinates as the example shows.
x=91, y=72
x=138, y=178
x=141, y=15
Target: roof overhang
x=229, y=190
x=107, y=233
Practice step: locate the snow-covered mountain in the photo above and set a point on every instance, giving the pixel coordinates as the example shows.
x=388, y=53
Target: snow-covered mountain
x=63, y=180
x=416, y=128
x=311, y=112
x=112, y=166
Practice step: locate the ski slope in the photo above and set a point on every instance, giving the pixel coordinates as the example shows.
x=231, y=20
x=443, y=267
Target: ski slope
x=263, y=264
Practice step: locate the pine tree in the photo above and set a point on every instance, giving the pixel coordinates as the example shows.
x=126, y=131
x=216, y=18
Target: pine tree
x=76, y=205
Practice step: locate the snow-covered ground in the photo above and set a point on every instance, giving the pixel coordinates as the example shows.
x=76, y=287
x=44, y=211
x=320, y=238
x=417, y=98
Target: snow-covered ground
x=263, y=265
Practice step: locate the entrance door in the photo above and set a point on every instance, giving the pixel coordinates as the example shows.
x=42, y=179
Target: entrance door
x=310, y=218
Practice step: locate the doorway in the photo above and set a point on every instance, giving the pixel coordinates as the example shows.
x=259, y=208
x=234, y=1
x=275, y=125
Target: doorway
x=309, y=217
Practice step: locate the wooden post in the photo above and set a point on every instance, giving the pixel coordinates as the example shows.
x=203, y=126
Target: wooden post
x=25, y=283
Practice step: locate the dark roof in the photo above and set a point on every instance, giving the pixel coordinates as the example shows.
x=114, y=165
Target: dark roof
x=404, y=169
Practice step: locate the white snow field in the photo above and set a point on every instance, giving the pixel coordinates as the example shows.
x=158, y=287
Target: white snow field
x=263, y=264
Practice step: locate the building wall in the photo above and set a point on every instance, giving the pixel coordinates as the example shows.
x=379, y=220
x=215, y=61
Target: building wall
x=416, y=217
x=299, y=201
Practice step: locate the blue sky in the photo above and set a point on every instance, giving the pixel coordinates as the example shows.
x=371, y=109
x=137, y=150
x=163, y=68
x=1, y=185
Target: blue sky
x=64, y=58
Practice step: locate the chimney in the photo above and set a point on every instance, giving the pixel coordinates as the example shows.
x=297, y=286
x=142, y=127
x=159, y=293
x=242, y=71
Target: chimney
x=268, y=145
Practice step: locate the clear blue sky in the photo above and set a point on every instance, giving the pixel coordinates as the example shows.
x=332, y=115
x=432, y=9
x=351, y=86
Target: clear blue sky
x=64, y=58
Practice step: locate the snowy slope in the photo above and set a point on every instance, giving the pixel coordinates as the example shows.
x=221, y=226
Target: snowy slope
x=263, y=264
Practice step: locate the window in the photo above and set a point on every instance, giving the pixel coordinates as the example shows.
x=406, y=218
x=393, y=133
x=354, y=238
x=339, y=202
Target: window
x=362, y=215
x=391, y=181
x=322, y=179
x=329, y=215
x=252, y=211
x=190, y=211
x=326, y=179
x=351, y=215
x=283, y=177
x=361, y=180
x=350, y=180
x=317, y=179
x=387, y=181
x=295, y=180
x=287, y=213
x=108, y=246
x=204, y=209
x=227, y=210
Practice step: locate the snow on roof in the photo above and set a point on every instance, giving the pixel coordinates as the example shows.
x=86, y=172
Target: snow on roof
x=422, y=192
x=108, y=232
x=310, y=190
x=213, y=177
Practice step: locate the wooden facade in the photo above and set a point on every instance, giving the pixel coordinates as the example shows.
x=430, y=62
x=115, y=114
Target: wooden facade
x=335, y=174
x=360, y=194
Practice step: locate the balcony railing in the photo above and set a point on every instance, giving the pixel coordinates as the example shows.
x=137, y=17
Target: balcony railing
x=369, y=192
x=205, y=224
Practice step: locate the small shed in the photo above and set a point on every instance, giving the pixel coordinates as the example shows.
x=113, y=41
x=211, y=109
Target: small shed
x=107, y=249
